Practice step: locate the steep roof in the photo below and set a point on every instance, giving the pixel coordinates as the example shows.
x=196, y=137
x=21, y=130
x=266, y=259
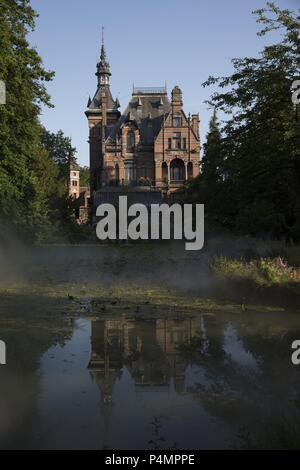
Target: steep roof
x=96, y=102
x=146, y=109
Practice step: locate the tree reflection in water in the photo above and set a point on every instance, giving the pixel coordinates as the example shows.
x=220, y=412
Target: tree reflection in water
x=242, y=379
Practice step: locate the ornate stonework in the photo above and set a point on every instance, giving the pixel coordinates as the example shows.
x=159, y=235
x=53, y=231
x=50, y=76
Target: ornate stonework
x=152, y=143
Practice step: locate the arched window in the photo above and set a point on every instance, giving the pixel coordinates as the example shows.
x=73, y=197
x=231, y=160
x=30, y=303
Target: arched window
x=190, y=171
x=177, y=170
x=130, y=141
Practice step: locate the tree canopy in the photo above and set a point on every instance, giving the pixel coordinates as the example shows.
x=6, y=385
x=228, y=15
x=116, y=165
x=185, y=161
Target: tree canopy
x=254, y=159
x=33, y=162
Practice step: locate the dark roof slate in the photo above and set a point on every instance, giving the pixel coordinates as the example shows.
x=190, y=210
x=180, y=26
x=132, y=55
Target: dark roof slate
x=147, y=112
x=97, y=100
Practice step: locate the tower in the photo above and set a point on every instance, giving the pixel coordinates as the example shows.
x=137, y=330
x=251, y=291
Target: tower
x=102, y=114
x=74, y=181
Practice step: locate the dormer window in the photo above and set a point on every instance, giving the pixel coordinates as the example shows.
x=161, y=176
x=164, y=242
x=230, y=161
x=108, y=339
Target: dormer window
x=130, y=141
x=176, y=121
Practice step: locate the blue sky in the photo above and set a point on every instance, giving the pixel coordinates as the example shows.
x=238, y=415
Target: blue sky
x=148, y=43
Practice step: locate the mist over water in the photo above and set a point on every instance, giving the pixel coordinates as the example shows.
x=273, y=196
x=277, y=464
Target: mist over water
x=84, y=358
x=165, y=264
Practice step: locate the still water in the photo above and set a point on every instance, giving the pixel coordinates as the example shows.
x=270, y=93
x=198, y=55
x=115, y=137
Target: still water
x=121, y=381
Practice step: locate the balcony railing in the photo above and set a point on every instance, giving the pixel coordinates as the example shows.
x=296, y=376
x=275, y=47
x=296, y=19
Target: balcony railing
x=149, y=90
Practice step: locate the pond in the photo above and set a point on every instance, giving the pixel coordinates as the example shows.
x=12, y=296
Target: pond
x=122, y=382
x=112, y=374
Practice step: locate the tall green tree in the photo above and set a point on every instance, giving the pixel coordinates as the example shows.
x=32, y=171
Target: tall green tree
x=260, y=144
x=212, y=156
x=84, y=176
x=206, y=188
x=212, y=169
x=22, y=198
x=60, y=150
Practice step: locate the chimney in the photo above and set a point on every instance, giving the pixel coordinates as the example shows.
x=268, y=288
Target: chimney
x=176, y=100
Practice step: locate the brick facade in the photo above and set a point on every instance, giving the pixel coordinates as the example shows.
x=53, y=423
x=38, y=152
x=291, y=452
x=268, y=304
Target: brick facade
x=74, y=182
x=152, y=143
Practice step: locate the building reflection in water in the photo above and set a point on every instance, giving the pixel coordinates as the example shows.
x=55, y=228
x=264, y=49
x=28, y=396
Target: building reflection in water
x=192, y=371
x=150, y=350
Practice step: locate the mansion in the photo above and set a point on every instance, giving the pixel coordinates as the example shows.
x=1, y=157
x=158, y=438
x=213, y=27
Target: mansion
x=152, y=143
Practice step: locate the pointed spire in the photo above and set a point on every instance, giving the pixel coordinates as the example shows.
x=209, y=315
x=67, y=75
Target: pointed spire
x=103, y=70
x=103, y=58
x=89, y=102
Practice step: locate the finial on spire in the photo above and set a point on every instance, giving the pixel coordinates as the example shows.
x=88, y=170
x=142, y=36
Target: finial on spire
x=103, y=53
x=103, y=71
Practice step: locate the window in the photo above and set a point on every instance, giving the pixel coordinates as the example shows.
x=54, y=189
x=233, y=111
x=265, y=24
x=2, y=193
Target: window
x=104, y=79
x=130, y=141
x=177, y=170
x=184, y=142
x=130, y=172
x=176, y=121
x=74, y=183
x=170, y=144
x=74, y=173
x=177, y=140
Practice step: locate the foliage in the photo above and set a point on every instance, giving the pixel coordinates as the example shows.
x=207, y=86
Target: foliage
x=22, y=199
x=251, y=169
x=34, y=163
x=60, y=150
x=262, y=270
x=205, y=188
x=282, y=433
x=145, y=181
x=84, y=176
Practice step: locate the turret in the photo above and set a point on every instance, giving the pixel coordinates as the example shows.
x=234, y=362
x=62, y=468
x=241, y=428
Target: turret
x=103, y=70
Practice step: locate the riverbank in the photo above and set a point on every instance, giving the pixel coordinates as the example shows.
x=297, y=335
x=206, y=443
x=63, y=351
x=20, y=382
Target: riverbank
x=158, y=276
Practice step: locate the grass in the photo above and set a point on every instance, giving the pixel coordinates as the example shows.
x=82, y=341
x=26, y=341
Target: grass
x=136, y=279
x=99, y=300
x=261, y=271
